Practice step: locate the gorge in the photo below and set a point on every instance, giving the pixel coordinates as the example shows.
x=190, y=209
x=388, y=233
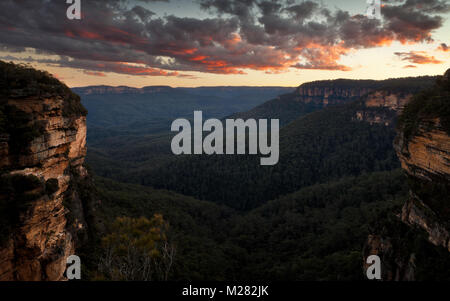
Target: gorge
x=337, y=195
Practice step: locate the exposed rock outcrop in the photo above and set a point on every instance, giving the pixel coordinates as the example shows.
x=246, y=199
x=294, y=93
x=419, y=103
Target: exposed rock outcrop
x=329, y=95
x=426, y=159
x=387, y=99
x=423, y=147
x=383, y=107
x=42, y=155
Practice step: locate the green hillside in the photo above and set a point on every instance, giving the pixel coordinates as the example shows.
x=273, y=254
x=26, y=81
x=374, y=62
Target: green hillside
x=316, y=233
x=320, y=147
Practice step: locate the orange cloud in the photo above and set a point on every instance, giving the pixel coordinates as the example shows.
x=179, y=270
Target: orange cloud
x=320, y=57
x=94, y=73
x=443, y=47
x=140, y=70
x=417, y=57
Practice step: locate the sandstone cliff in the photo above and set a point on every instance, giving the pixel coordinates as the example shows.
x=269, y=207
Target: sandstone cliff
x=314, y=96
x=423, y=147
x=426, y=159
x=325, y=96
x=383, y=107
x=42, y=147
x=390, y=93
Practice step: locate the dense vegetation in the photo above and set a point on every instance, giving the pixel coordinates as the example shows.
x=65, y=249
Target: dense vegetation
x=128, y=149
x=129, y=130
x=316, y=233
x=403, y=85
x=285, y=107
x=137, y=249
x=196, y=226
x=307, y=218
x=429, y=104
x=320, y=147
x=21, y=81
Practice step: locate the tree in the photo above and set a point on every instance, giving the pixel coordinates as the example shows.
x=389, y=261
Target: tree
x=137, y=250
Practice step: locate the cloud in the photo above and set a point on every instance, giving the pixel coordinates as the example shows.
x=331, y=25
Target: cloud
x=97, y=68
x=271, y=36
x=417, y=57
x=443, y=47
x=93, y=73
x=414, y=20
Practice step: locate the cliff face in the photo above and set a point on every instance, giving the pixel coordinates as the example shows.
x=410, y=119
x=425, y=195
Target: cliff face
x=426, y=159
x=382, y=107
x=329, y=95
x=38, y=177
x=423, y=147
x=387, y=99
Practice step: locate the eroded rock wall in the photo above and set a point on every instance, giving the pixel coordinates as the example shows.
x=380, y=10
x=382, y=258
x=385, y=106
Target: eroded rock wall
x=426, y=159
x=37, y=247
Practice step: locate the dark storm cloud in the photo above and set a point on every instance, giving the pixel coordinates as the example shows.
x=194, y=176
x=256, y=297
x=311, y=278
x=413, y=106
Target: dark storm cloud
x=303, y=10
x=126, y=37
x=411, y=22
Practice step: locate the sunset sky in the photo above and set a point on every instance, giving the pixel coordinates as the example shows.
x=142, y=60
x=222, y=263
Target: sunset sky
x=226, y=42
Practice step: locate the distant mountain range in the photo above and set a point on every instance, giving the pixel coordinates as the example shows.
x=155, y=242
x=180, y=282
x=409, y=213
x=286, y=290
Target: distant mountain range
x=152, y=109
x=223, y=90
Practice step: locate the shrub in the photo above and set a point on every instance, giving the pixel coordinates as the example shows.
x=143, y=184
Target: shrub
x=137, y=249
x=432, y=103
x=19, y=80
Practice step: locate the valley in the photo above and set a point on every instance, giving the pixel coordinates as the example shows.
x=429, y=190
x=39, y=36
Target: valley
x=308, y=218
x=358, y=175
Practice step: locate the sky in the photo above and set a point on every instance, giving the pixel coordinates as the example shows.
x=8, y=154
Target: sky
x=183, y=43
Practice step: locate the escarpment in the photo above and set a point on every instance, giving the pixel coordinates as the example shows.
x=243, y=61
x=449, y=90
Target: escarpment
x=390, y=93
x=382, y=107
x=423, y=147
x=329, y=95
x=42, y=147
